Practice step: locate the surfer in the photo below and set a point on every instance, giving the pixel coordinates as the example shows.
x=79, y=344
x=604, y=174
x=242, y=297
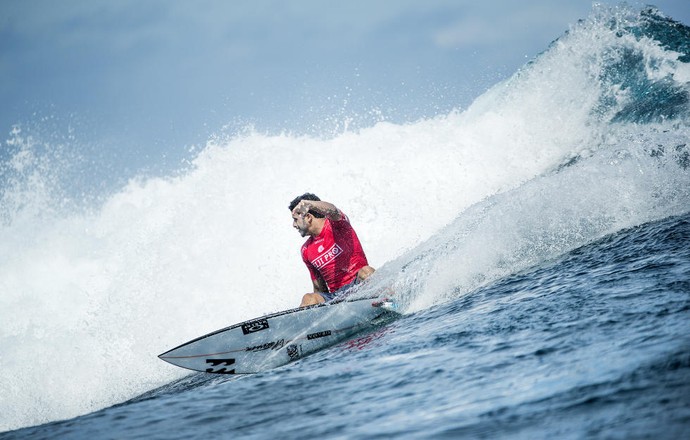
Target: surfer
x=332, y=253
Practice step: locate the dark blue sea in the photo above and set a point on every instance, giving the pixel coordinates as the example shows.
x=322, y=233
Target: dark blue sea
x=538, y=244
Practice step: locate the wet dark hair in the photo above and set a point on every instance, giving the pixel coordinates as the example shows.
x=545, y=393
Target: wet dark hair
x=306, y=196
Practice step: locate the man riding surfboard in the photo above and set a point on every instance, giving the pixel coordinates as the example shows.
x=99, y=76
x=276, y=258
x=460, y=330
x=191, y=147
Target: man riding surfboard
x=332, y=253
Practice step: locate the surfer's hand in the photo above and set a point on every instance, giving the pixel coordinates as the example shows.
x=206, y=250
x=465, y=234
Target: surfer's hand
x=302, y=208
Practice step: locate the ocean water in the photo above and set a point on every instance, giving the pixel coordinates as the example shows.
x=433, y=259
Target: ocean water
x=538, y=243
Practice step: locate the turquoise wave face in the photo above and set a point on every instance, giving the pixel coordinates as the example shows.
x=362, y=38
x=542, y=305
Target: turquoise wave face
x=665, y=98
x=670, y=34
x=643, y=71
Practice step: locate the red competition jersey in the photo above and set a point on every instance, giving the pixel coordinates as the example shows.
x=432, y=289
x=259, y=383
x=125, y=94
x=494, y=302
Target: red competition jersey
x=336, y=255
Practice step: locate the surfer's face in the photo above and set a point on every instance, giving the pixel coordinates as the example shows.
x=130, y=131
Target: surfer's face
x=300, y=223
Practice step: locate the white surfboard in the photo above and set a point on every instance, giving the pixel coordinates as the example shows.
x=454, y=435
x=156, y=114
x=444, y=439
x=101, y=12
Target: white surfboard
x=277, y=339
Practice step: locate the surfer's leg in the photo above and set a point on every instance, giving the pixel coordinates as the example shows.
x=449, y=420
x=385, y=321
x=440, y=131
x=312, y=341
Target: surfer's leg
x=309, y=299
x=365, y=273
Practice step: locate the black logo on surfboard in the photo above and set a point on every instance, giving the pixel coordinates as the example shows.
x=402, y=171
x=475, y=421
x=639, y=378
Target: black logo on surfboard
x=319, y=335
x=220, y=362
x=275, y=345
x=254, y=326
x=293, y=351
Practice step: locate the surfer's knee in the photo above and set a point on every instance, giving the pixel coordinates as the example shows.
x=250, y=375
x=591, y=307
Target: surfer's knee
x=365, y=272
x=309, y=299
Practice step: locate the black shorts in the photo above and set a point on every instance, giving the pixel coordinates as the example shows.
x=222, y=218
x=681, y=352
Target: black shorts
x=340, y=293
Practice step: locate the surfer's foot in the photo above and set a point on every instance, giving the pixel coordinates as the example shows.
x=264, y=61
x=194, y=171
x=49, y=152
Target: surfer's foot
x=387, y=304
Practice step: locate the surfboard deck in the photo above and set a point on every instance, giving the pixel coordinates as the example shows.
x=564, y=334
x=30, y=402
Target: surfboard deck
x=273, y=340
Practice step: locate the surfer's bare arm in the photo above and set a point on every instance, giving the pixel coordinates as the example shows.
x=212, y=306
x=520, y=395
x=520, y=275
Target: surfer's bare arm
x=325, y=208
x=319, y=285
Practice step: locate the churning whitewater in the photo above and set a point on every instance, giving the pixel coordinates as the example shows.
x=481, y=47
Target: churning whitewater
x=527, y=237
